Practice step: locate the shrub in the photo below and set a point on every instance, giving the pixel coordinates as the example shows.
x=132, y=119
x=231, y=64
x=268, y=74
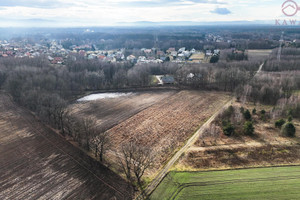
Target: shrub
x=279, y=123
x=288, y=129
x=254, y=111
x=242, y=109
x=263, y=115
x=290, y=118
x=228, y=128
x=248, y=128
x=247, y=115
x=228, y=113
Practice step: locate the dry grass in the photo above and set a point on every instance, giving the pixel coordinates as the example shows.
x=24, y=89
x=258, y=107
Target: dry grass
x=112, y=111
x=166, y=125
x=266, y=147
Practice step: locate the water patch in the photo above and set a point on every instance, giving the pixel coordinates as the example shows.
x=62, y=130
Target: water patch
x=93, y=97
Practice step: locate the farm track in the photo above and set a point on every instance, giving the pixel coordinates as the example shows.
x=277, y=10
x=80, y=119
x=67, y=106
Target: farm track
x=36, y=163
x=188, y=144
x=156, y=181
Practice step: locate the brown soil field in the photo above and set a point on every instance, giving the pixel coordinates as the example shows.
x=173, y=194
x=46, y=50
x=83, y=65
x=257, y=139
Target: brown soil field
x=259, y=54
x=112, y=111
x=167, y=125
x=266, y=148
x=36, y=163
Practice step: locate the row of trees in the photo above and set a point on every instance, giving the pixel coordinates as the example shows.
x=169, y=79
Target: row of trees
x=268, y=88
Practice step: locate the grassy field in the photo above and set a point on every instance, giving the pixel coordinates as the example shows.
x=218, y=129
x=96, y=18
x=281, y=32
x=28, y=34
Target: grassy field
x=259, y=183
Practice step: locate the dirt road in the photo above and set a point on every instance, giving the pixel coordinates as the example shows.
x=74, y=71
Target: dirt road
x=189, y=143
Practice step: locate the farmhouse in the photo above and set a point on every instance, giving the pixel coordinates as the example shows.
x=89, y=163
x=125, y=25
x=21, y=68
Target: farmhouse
x=165, y=79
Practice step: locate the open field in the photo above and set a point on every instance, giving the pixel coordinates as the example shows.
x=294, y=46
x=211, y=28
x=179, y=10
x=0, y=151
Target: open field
x=36, y=163
x=258, y=183
x=169, y=123
x=259, y=54
x=111, y=111
x=267, y=147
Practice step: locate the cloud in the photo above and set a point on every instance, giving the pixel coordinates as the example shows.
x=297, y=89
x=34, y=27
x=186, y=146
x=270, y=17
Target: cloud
x=33, y=3
x=208, y=1
x=221, y=11
x=164, y=3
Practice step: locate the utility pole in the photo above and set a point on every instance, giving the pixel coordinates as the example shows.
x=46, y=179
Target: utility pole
x=280, y=47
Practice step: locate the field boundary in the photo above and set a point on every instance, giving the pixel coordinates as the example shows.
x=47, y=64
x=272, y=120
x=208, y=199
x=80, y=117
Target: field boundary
x=157, y=180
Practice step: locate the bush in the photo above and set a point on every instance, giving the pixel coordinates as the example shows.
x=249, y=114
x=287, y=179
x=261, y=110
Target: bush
x=214, y=59
x=242, y=109
x=248, y=128
x=228, y=128
x=254, y=111
x=279, y=123
x=288, y=129
x=290, y=118
x=228, y=113
x=263, y=115
x=247, y=115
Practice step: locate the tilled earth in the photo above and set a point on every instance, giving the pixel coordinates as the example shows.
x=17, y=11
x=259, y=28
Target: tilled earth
x=36, y=163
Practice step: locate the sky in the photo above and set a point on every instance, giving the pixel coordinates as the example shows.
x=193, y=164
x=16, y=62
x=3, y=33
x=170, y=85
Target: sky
x=77, y=13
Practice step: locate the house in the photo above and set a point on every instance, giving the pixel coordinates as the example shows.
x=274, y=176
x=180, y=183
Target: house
x=131, y=58
x=181, y=50
x=148, y=51
x=57, y=60
x=216, y=51
x=208, y=53
x=101, y=57
x=168, y=79
x=174, y=53
x=160, y=53
x=170, y=50
x=165, y=79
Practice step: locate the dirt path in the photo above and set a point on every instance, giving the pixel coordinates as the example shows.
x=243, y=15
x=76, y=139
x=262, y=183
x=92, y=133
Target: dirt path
x=189, y=143
x=151, y=187
x=234, y=146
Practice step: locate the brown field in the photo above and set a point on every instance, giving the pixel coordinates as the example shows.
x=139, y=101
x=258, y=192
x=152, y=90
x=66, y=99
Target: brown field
x=110, y=112
x=36, y=163
x=259, y=54
x=167, y=125
x=267, y=147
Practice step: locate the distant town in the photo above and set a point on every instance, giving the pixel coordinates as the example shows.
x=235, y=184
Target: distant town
x=57, y=53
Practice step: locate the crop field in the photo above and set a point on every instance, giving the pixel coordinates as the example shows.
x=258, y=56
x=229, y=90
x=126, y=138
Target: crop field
x=166, y=125
x=36, y=163
x=259, y=54
x=162, y=120
x=109, y=112
x=258, y=183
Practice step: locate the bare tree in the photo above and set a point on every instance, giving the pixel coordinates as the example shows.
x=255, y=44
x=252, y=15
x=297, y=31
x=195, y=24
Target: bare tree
x=134, y=161
x=88, y=131
x=101, y=143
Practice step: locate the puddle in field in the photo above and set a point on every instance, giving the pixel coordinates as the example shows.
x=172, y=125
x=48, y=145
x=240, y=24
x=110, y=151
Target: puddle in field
x=93, y=97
